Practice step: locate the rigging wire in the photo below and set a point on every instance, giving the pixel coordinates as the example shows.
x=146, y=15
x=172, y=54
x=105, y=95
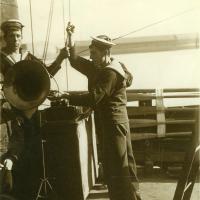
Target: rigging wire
x=69, y=9
x=155, y=23
x=48, y=31
x=58, y=89
x=148, y=26
x=65, y=40
x=31, y=19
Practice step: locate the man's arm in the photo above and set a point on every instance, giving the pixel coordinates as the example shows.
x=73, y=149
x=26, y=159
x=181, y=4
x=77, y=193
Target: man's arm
x=56, y=65
x=16, y=140
x=101, y=90
x=81, y=64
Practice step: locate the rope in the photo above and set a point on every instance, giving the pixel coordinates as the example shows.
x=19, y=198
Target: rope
x=155, y=23
x=58, y=89
x=65, y=38
x=149, y=25
x=31, y=18
x=46, y=34
x=48, y=31
x=69, y=9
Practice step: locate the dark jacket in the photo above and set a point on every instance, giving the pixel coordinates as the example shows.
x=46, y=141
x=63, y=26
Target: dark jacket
x=106, y=89
x=6, y=63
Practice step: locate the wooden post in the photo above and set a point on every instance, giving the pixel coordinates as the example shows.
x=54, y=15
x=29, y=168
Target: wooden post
x=161, y=127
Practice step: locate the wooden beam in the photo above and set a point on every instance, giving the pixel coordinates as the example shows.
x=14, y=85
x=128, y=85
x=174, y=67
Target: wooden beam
x=134, y=111
x=139, y=123
x=148, y=44
x=164, y=90
x=145, y=136
x=150, y=96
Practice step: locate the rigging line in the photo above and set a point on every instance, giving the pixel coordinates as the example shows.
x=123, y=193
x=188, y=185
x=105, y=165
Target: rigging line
x=58, y=89
x=149, y=25
x=45, y=44
x=31, y=18
x=69, y=9
x=155, y=23
x=63, y=15
x=49, y=31
x=65, y=42
x=46, y=34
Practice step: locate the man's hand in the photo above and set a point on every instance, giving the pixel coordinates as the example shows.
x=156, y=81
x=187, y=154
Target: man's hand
x=64, y=53
x=70, y=29
x=8, y=164
x=66, y=95
x=6, y=175
x=70, y=32
x=6, y=105
x=54, y=97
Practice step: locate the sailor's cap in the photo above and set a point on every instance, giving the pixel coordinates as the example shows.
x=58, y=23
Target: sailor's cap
x=102, y=41
x=11, y=24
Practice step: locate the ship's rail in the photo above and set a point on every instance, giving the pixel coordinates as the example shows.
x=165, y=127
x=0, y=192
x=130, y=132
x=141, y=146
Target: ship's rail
x=151, y=118
x=162, y=124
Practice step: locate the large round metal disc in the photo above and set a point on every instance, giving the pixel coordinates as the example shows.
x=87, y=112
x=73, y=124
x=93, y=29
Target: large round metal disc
x=26, y=84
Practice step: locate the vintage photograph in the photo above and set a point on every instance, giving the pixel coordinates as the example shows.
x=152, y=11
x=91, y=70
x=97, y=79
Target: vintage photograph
x=100, y=99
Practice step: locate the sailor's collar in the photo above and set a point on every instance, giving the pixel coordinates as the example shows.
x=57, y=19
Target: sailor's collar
x=22, y=52
x=116, y=66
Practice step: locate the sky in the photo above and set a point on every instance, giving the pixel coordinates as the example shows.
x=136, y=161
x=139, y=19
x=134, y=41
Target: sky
x=113, y=17
x=116, y=18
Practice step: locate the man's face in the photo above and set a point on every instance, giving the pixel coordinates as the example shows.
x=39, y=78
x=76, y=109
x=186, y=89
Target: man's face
x=96, y=55
x=13, y=39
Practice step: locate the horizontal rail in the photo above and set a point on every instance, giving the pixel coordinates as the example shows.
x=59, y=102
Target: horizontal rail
x=139, y=123
x=149, y=96
x=164, y=90
x=145, y=136
x=148, y=110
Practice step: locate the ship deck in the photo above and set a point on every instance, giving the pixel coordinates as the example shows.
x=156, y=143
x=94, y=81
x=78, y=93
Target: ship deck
x=159, y=186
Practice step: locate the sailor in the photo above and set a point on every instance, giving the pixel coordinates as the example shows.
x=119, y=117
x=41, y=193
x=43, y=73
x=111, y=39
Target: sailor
x=107, y=82
x=20, y=140
x=13, y=51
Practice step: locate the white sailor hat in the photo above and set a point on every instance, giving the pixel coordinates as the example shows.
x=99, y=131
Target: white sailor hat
x=102, y=41
x=11, y=24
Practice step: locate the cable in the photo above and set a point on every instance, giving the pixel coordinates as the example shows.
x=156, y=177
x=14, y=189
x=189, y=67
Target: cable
x=65, y=38
x=155, y=23
x=43, y=57
x=58, y=89
x=48, y=31
x=31, y=18
x=149, y=25
x=69, y=7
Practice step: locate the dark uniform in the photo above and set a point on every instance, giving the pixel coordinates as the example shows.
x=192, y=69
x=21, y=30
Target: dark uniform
x=21, y=139
x=24, y=149
x=6, y=62
x=107, y=95
x=22, y=145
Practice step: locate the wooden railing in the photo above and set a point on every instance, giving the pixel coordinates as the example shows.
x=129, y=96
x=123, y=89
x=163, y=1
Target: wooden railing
x=152, y=121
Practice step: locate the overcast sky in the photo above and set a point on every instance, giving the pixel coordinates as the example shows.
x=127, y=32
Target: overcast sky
x=113, y=17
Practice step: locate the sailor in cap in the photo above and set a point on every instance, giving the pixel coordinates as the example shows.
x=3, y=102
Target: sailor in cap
x=107, y=82
x=11, y=24
x=102, y=41
x=21, y=148
x=13, y=51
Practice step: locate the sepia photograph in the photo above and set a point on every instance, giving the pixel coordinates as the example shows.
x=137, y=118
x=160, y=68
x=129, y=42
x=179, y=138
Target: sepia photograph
x=100, y=99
